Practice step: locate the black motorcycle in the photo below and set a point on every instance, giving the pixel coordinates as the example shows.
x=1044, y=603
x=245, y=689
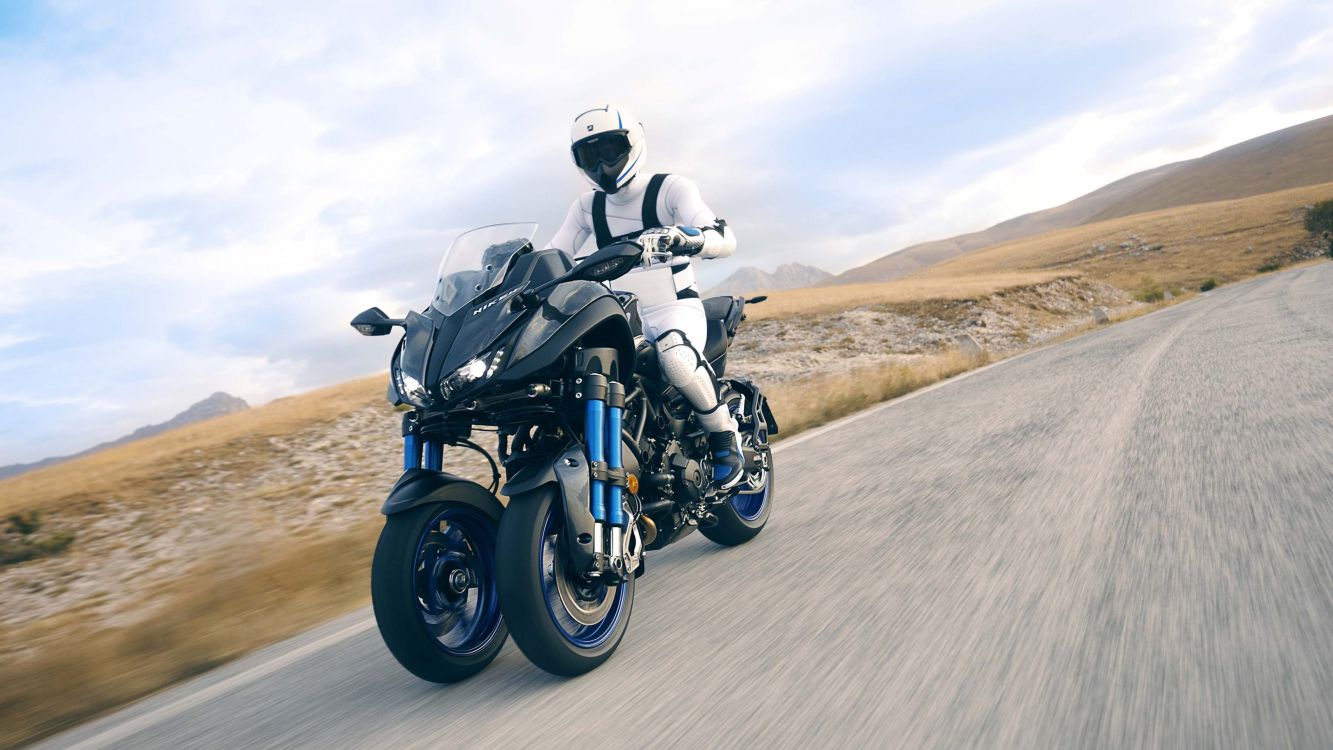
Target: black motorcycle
x=604, y=460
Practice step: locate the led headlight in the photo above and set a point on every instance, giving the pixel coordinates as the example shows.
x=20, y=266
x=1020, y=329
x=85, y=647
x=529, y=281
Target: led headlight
x=411, y=389
x=473, y=371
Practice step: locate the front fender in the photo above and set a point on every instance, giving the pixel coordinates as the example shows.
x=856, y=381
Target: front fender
x=569, y=471
x=418, y=487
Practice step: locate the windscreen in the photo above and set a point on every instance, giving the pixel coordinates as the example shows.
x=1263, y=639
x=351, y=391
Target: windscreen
x=476, y=262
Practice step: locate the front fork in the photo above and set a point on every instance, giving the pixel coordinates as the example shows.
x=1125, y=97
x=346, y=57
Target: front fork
x=417, y=452
x=604, y=409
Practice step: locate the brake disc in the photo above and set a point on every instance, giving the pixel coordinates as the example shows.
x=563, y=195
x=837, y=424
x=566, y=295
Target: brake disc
x=586, y=601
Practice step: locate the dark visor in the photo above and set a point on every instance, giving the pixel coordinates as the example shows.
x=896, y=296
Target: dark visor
x=603, y=148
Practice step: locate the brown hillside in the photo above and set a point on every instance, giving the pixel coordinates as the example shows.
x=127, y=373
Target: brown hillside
x=1293, y=157
x=914, y=258
x=1177, y=247
x=1174, y=247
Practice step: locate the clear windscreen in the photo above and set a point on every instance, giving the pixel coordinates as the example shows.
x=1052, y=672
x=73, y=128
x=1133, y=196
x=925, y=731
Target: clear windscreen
x=476, y=261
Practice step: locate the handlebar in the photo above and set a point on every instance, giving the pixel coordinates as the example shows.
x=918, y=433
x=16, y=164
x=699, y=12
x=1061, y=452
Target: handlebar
x=610, y=262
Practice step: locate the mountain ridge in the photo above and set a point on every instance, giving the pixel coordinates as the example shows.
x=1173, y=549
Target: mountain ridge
x=215, y=405
x=751, y=279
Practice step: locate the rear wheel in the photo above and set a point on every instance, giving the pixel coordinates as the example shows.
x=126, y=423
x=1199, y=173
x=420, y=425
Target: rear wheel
x=564, y=623
x=433, y=588
x=744, y=515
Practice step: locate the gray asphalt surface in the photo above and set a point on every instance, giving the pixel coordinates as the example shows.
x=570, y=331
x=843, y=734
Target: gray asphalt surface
x=1123, y=540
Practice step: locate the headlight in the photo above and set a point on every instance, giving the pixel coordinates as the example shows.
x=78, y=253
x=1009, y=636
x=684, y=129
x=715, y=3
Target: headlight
x=473, y=371
x=411, y=389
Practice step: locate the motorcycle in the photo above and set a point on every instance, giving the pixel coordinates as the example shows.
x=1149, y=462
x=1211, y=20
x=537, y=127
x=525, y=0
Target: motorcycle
x=604, y=461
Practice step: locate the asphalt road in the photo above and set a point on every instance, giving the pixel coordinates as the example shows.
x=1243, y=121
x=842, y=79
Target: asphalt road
x=1123, y=540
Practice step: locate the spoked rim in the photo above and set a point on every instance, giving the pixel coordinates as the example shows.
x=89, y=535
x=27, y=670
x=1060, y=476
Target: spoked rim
x=453, y=581
x=749, y=505
x=585, y=612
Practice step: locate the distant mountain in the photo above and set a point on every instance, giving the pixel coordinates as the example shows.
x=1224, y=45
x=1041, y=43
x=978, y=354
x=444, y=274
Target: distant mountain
x=214, y=406
x=1293, y=157
x=750, y=280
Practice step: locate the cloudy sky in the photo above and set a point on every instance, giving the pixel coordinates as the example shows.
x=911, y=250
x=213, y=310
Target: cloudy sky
x=199, y=198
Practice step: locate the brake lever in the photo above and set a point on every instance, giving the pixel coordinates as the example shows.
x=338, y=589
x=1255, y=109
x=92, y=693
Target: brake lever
x=655, y=257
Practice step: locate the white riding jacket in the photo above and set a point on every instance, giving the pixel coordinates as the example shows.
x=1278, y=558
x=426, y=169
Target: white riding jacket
x=678, y=204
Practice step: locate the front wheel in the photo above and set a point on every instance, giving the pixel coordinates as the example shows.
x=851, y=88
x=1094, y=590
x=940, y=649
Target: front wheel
x=432, y=584
x=563, y=623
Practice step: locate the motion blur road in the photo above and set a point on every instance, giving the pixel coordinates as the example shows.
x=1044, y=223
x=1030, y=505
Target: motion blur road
x=1122, y=540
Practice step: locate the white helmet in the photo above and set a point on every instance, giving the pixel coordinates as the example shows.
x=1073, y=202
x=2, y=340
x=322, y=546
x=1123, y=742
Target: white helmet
x=608, y=145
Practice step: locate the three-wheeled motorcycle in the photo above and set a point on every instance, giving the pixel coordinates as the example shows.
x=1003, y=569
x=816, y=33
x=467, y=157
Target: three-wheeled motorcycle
x=603, y=460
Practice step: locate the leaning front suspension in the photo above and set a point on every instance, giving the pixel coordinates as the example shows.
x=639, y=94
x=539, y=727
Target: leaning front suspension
x=603, y=416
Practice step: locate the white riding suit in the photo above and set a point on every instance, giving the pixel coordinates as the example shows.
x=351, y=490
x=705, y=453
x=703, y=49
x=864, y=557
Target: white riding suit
x=673, y=316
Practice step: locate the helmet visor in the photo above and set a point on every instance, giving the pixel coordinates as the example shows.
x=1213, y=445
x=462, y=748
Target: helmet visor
x=603, y=148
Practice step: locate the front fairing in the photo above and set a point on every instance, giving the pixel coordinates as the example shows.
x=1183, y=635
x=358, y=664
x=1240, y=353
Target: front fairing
x=426, y=335
x=435, y=344
x=479, y=330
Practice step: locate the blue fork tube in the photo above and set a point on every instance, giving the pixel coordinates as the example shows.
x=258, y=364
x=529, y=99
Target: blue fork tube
x=615, y=409
x=411, y=452
x=432, y=454
x=594, y=433
x=411, y=442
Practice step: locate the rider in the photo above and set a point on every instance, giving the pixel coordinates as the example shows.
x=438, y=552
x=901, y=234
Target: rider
x=666, y=215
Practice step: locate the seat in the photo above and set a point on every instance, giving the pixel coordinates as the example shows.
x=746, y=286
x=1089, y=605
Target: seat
x=717, y=310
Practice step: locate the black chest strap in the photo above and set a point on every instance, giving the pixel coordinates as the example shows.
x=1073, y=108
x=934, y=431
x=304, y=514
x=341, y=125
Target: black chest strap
x=602, y=231
x=650, y=220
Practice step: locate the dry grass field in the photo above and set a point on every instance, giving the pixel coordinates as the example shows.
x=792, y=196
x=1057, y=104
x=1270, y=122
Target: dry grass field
x=826, y=299
x=139, y=472
x=1177, y=247
x=810, y=402
x=192, y=547
x=234, y=600
x=160, y=582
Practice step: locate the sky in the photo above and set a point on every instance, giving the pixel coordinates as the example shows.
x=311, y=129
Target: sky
x=199, y=196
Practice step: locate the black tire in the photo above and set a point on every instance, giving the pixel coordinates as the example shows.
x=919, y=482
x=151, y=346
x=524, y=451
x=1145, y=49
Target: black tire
x=732, y=526
x=523, y=590
x=393, y=581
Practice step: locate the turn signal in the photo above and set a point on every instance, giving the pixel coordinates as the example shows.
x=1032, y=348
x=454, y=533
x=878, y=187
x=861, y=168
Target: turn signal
x=632, y=484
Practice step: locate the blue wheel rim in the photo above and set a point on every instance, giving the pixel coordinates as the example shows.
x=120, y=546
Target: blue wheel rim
x=575, y=626
x=750, y=505
x=453, y=581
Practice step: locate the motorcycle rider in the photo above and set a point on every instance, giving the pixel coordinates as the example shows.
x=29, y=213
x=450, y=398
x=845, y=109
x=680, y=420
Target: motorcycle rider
x=666, y=215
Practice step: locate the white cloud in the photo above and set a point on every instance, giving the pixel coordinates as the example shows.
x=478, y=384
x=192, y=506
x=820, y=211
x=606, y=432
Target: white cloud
x=1180, y=114
x=218, y=188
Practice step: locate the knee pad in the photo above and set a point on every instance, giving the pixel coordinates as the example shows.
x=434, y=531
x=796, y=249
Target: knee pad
x=683, y=368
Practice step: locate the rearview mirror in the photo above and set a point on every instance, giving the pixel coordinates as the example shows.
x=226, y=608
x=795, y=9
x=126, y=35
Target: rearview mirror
x=609, y=262
x=374, y=322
